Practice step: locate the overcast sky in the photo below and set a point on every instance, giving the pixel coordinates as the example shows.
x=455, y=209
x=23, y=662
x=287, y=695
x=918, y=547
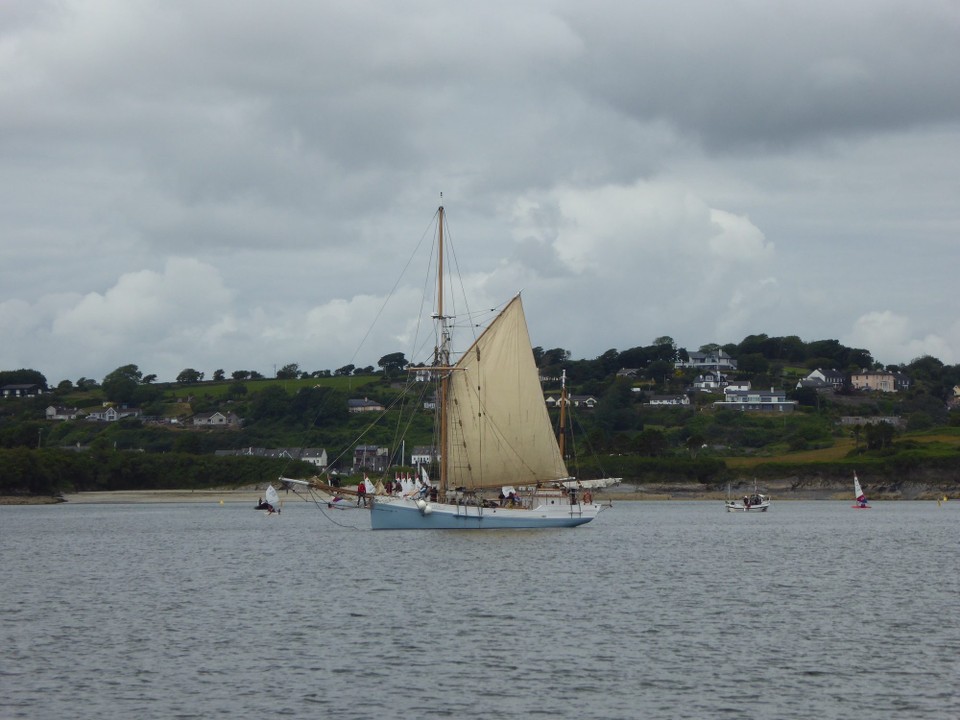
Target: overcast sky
x=237, y=185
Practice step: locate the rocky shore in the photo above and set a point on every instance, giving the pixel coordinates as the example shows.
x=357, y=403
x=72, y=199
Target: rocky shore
x=790, y=488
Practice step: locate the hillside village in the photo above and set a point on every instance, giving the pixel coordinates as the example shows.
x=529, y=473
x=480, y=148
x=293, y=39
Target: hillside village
x=657, y=401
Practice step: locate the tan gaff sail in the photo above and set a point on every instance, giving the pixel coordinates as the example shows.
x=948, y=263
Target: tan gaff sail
x=498, y=429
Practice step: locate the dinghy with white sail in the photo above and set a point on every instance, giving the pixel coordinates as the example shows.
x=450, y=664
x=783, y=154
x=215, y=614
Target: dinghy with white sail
x=271, y=501
x=858, y=494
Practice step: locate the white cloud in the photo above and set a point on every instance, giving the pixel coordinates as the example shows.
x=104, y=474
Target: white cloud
x=644, y=259
x=893, y=338
x=146, y=302
x=738, y=240
x=152, y=319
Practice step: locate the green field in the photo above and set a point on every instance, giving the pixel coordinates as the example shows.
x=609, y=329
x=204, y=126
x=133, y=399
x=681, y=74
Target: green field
x=837, y=453
x=939, y=441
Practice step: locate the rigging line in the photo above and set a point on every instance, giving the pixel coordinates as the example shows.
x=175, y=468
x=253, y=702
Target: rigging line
x=421, y=352
x=494, y=311
x=420, y=399
x=400, y=432
x=424, y=295
x=367, y=429
x=586, y=439
x=306, y=434
x=397, y=433
x=379, y=312
x=456, y=263
x=417, y=345
x=319, y=503
x=390, y=294
x=472, y=316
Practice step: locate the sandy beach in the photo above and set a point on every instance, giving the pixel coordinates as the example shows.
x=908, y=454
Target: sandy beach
x=248, y=496
x=215, y=497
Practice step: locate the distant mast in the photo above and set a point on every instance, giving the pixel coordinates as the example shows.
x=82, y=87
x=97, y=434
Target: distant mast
x=563, y=407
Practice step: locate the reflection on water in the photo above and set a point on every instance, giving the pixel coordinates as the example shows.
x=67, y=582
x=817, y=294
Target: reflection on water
x=655, y=610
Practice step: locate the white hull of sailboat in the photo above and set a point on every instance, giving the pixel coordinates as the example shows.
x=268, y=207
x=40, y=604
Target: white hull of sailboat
x=407, y=514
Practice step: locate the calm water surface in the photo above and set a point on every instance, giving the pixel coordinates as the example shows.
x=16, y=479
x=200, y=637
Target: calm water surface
x=655, y=610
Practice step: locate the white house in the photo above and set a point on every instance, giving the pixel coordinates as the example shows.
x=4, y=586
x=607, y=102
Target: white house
x=820, y=378
x=365, y=405
x=710, y=381
x=717, y=360
x=216, y=419
x=757, y=401
x=424, y=455
x=668, y=400
x=113, y=413
x=317, y=456
x=59, y=412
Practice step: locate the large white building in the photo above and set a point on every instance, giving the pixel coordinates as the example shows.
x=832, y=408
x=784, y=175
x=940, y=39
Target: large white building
x=757, y=401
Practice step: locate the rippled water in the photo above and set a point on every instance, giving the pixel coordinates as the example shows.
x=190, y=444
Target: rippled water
x=655, y=610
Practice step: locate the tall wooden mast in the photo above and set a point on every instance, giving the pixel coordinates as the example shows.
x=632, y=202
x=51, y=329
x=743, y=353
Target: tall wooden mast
x=443, y=358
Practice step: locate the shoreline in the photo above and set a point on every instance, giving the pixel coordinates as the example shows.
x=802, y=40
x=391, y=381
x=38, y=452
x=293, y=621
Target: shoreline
x=656, y=492
x=119, y=497
x=215, y=497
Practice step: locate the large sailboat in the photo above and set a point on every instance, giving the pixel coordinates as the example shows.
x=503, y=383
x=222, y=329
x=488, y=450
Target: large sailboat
x=494, y=437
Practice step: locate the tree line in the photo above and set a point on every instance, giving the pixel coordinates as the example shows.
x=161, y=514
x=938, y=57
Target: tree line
x=52, y=471
x=755, y=354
